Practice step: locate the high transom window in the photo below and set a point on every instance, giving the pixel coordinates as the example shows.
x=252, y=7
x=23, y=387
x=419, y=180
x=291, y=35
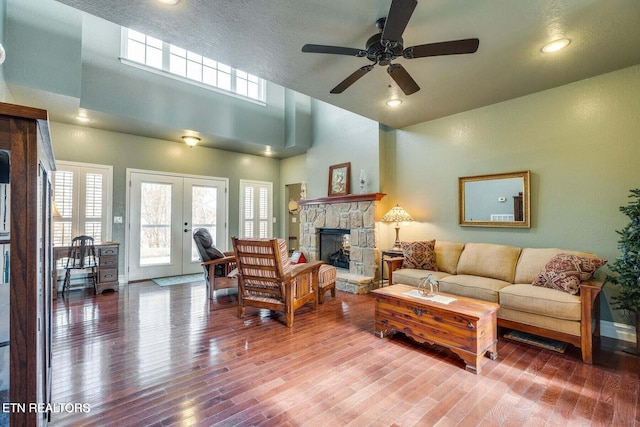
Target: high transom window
x=182, y=63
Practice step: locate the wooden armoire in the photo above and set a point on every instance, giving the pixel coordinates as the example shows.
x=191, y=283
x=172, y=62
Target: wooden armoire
x=25, y=140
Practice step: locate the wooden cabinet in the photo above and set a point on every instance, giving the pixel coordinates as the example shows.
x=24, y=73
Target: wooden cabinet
x=24, y=135
x=107, y=267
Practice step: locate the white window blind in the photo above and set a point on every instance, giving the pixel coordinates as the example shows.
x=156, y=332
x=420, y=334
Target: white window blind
x=82, y=195
x=256, y=209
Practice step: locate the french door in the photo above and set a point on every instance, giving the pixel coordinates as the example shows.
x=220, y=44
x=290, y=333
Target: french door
x=164, y=210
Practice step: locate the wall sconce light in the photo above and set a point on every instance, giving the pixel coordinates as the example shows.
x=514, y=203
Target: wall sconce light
x=191, y=141
x=397, y=215
x=294, y=208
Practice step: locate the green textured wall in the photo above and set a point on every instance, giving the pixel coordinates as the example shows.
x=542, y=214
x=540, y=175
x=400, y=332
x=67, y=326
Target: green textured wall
x=42, y=39
x=341, y=136
x=581, y=143
x=122, y=151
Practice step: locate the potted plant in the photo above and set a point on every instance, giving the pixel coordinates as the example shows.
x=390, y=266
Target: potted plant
x=627, y=264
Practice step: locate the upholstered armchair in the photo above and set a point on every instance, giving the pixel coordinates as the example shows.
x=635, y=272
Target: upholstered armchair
x=219, y=267
x=266, y=278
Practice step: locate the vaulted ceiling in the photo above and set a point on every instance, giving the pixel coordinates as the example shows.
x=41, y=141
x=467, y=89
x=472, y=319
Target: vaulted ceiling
x=266, y=37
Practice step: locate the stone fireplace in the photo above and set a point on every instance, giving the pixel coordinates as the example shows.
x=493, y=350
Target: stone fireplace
x=333, y=226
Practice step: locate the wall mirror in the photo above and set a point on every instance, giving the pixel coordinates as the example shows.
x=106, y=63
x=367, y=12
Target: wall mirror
x=498, y=200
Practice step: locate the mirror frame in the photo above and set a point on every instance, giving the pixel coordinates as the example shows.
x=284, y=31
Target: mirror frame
x=526, y=196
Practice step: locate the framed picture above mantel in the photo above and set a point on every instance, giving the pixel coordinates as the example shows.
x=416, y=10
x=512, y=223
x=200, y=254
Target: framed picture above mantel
x=339, y=179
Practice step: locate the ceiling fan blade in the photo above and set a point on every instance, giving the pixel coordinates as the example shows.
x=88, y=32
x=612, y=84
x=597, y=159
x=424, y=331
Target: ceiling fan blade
x=399, y=14
x=337, y=50
x=352, y=79
x=454, y=47
x=403, y=79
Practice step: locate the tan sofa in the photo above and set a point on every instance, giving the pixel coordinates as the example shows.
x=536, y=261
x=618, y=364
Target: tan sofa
x=503, y=274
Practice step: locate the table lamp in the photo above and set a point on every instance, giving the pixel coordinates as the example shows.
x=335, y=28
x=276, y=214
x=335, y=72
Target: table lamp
x=397, y=215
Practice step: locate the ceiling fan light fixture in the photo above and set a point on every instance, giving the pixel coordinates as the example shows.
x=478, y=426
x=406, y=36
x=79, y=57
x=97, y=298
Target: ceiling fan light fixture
x=555, y=45
x=387, y=45
x=393, y=102
x=191, y=141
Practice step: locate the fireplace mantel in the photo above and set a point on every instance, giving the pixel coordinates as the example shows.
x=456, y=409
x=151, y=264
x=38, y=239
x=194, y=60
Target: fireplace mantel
x=343, y=199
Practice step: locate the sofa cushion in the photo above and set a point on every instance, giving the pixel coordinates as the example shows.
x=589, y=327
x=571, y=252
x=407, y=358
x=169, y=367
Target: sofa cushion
x=477, y=287
x=419, y=255
x=411, y=276
x=570, y=327
x=533, y=260
x=564, y=272
x=542, y=301
x=448, y=255
x=489, y=260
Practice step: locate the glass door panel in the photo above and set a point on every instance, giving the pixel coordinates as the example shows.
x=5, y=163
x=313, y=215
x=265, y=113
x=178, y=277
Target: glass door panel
x=204, y=201
x=155, y=224
x=155, y=213
x=164, y=210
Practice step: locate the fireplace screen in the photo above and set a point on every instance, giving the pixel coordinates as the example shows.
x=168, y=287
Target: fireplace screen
x=335, y=246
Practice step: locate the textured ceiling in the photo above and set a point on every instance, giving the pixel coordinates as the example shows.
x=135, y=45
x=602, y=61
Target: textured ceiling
x=265, y=38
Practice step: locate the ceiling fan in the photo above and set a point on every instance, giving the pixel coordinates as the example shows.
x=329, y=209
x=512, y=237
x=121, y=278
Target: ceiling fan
x=387, y=45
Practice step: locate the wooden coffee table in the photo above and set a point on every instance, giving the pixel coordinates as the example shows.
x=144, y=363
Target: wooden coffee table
x=465, y=326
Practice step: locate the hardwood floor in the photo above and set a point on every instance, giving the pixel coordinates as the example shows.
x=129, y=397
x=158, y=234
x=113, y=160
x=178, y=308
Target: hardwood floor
x=165, y=356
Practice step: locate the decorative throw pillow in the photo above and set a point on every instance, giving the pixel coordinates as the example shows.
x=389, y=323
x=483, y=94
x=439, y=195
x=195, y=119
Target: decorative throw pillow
x=419, y=255
x=564, y=272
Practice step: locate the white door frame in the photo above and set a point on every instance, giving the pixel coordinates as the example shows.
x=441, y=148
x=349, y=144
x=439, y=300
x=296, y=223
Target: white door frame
x=127, y=231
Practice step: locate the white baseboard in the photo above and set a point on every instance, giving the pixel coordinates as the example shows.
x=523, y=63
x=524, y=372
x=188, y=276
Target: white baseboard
x=619, y=331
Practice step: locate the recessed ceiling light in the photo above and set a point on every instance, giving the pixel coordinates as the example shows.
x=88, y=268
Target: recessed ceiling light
x=191, y=141
x=394, y=102
x=83, y=119
x=170, y=2
x=555, y=45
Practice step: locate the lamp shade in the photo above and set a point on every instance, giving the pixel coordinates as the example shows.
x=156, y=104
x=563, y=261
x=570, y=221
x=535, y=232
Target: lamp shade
x=397, y=214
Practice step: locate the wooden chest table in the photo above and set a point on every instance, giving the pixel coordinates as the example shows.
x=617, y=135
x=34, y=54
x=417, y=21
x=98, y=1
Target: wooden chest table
x=465, y=326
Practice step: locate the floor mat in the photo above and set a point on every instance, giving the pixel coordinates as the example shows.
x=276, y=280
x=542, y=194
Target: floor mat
x=537, y=341
x=178, y=280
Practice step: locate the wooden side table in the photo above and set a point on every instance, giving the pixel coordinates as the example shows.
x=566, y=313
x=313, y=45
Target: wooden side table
x=391, y=253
